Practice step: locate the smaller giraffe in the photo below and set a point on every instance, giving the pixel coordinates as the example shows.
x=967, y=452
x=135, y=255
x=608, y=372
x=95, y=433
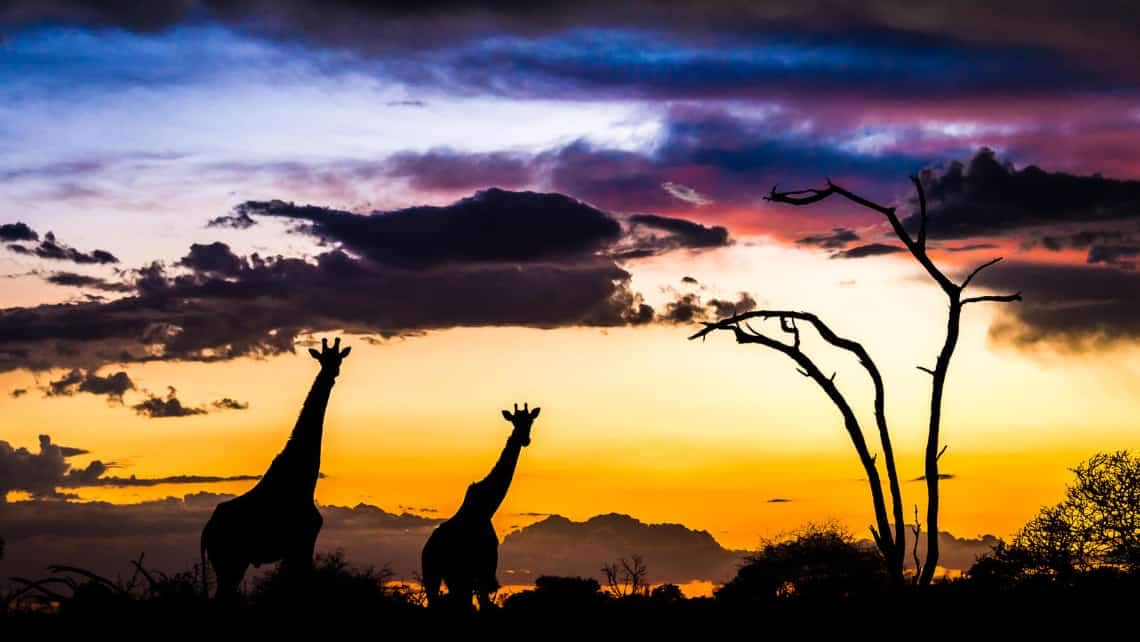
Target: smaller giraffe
x=463, y=552
x=277, y=520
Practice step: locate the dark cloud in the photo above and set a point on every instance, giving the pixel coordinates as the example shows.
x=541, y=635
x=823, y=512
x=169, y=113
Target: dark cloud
x=1072, y=307
x=689, y=280
x=239, y=220
x=449, y=170
x=870, y=249
x=17, y=232
x=559, y=546
x=1118, y=255
x=729, y=157
x=43, y=474
x=1079, y=240
x=681, y=232
x=724, y=308
x=159, y=407
x=689, y=308
x=837, y=238
x=53, y=250
x=940, y=476
x=971, y=247
x=113, y=386
x=213, y=259
x=988, y=197
x=779, y=500
x=230, y=404
x=18, y=392
x=497, y=258
x=494, y=225
x=72, y=279
x=686, y=308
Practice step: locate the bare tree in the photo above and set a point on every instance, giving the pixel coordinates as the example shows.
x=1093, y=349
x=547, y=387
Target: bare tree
x=627, y=577
x=891, y=544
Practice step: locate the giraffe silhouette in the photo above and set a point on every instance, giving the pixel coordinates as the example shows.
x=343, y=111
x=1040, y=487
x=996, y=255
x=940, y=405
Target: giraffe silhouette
x=277, y=520
x=463, y=552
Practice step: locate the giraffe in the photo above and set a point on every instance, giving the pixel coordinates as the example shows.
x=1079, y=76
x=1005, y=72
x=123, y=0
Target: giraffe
x=463, y=552
x=277, y=520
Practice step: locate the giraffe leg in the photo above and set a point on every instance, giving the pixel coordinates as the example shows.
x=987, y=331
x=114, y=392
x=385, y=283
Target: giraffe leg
x=298, y=560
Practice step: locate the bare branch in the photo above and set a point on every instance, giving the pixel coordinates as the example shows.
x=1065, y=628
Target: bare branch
x=921, y=212
x=916, y=249
x=1000, y=298
x=917, y=534
x=926, y=370
x=803, y=372
x=942, y=452
x=977, y=270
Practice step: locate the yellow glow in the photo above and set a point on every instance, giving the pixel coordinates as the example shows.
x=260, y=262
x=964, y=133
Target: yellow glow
x=641, y=421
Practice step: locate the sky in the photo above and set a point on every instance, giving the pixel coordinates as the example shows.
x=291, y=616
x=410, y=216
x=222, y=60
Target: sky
x=509, y=204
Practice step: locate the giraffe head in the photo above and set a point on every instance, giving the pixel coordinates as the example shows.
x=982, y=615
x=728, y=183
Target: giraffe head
x=521, y=420
x=330, y=357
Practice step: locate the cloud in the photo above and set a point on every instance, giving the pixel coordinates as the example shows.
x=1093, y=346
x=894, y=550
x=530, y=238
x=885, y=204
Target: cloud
x=686, y=193
x=72, y=279
x=17, y=232
x=239, y=220
x=559, y=546
x=681, y=232
x=18, y=392
x=689, y=308
x=725, y=308
x=837, y=238
x=494, y=225
x=689, y=280
x=158, y=408
x=51, y=249
x=230, y=404
x=1118, y=255
x=113, y=386
x=940, y=476
x=779, y=500
x=1073, y=307
x=864, y=251
x=41, y=474
x=213, y=259
x=451, y=170
x=494, y=259
x=989, y=197
x=971, y=247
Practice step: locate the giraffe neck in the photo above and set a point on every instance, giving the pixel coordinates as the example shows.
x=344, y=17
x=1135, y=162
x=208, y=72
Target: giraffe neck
x=485, y=496
x=299, y=464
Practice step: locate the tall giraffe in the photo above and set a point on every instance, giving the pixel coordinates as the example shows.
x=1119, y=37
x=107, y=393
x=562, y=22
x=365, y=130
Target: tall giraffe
x=463, y=552
x=277, y=520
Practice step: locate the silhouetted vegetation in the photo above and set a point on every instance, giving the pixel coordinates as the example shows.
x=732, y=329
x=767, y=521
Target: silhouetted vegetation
x=1094, y=531
x=819, y=563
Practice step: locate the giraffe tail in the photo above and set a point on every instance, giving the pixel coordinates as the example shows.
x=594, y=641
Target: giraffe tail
x=205, y=568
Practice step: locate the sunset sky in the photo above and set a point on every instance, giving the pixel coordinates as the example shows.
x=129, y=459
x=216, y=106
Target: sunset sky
x=163, y=148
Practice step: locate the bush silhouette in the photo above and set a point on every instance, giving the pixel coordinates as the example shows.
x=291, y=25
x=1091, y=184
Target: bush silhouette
x=818, y=563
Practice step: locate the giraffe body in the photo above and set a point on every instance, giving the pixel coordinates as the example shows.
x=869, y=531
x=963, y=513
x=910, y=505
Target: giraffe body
x=463, y=552
x=277, y=520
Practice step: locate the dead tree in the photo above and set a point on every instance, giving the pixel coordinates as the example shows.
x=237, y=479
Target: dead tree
x=891, y=544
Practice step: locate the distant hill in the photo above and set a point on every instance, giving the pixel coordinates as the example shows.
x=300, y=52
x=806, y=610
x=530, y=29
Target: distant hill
x=559, y=546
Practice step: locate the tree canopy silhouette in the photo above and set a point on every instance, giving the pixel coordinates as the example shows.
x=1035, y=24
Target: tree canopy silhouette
x=891, y=544
x=1096, y=526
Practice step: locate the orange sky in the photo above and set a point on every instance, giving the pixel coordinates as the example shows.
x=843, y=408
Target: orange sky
x=640, y=420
